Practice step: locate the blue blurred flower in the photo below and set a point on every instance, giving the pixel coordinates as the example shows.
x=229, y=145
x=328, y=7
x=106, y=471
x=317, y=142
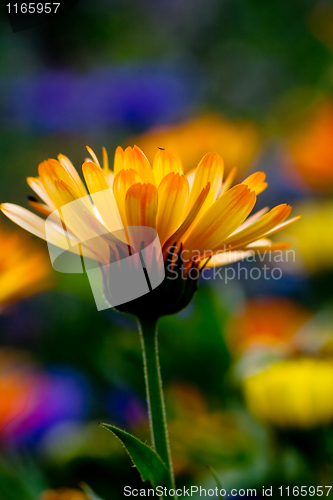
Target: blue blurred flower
x=131, y=96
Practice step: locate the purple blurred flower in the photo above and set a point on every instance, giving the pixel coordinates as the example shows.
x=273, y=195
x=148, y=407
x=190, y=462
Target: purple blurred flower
x=131, y=96
x=43, y=400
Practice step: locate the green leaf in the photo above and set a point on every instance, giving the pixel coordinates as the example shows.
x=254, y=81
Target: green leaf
x=146, y=460
x=215, y=476
x=89, y=492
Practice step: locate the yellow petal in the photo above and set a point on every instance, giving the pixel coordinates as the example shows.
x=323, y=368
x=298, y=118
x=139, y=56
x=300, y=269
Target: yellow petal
x=210, y=170
x=176, y=239
x=256, y=182
x=118, y=160
x=102, y=196
x=260, y=227
x=221, y=219
x=50, y=171
x=122, y=182
x=72, y=178
x=37, y=186
x=172, y=197
x=93, y=155
x=95, y=177
x=141, y=205
x=40, y=207
x=224, y=258
x=105, y=161
x=228, y=182
x=33, y=223
x=165, y=162
x=81, y=222
x=133, y=158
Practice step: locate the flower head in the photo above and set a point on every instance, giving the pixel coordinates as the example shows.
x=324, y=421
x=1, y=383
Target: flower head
x=200, y=219
x=294, y=393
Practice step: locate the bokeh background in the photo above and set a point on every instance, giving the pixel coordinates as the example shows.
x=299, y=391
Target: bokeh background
x=247, y=367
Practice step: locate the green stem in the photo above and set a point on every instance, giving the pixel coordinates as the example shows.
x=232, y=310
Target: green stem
x=155, y=398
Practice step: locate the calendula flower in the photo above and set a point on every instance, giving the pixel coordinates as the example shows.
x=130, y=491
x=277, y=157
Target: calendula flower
x=294, y=393
x=310, y=146
x=267, y=324
x=24, y=267
x=200, y=219
x=63, y=494
x=236, y=141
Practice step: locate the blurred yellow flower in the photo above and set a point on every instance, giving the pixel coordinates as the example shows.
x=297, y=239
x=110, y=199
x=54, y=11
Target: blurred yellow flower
x=236, y=141
x=294, y=393
x=198, y=216
x=267, y=323
x=312, y=237
x=63, y=494
x=310, y=146
x=24, y=267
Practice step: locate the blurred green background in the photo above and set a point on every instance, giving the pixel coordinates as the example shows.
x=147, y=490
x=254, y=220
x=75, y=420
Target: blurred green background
x=253, y=80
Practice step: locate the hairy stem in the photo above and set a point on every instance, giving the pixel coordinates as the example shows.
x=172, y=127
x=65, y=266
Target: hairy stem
x=154, y=390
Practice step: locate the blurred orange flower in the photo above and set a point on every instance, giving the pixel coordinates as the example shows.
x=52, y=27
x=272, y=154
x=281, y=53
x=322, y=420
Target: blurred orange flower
x=24, y=268
x=63, y=494
x=236, y=141
x=266, y=323
x=17, y=388
x=310, y=145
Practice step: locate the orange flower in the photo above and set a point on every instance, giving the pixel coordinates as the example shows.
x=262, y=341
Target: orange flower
x=310, y=145
x=236, y=141
x=199, y=218
x=17, y=390
x=266, y=323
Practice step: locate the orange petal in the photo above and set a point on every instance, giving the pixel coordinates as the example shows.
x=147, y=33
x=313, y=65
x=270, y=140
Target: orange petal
x=141, y=205
x=133, y=158
x=210, y=170
x=256, y=182
x=95, y=177
x=105, y=161
x=122, y=182
x=164, y=163
x=102, y=196
x=176, y=238
x=118, y=160
x=40, y=207
x=221, y=219
x=172, y=197
x=37, y=186
x=259, y=228
x=228, y=182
